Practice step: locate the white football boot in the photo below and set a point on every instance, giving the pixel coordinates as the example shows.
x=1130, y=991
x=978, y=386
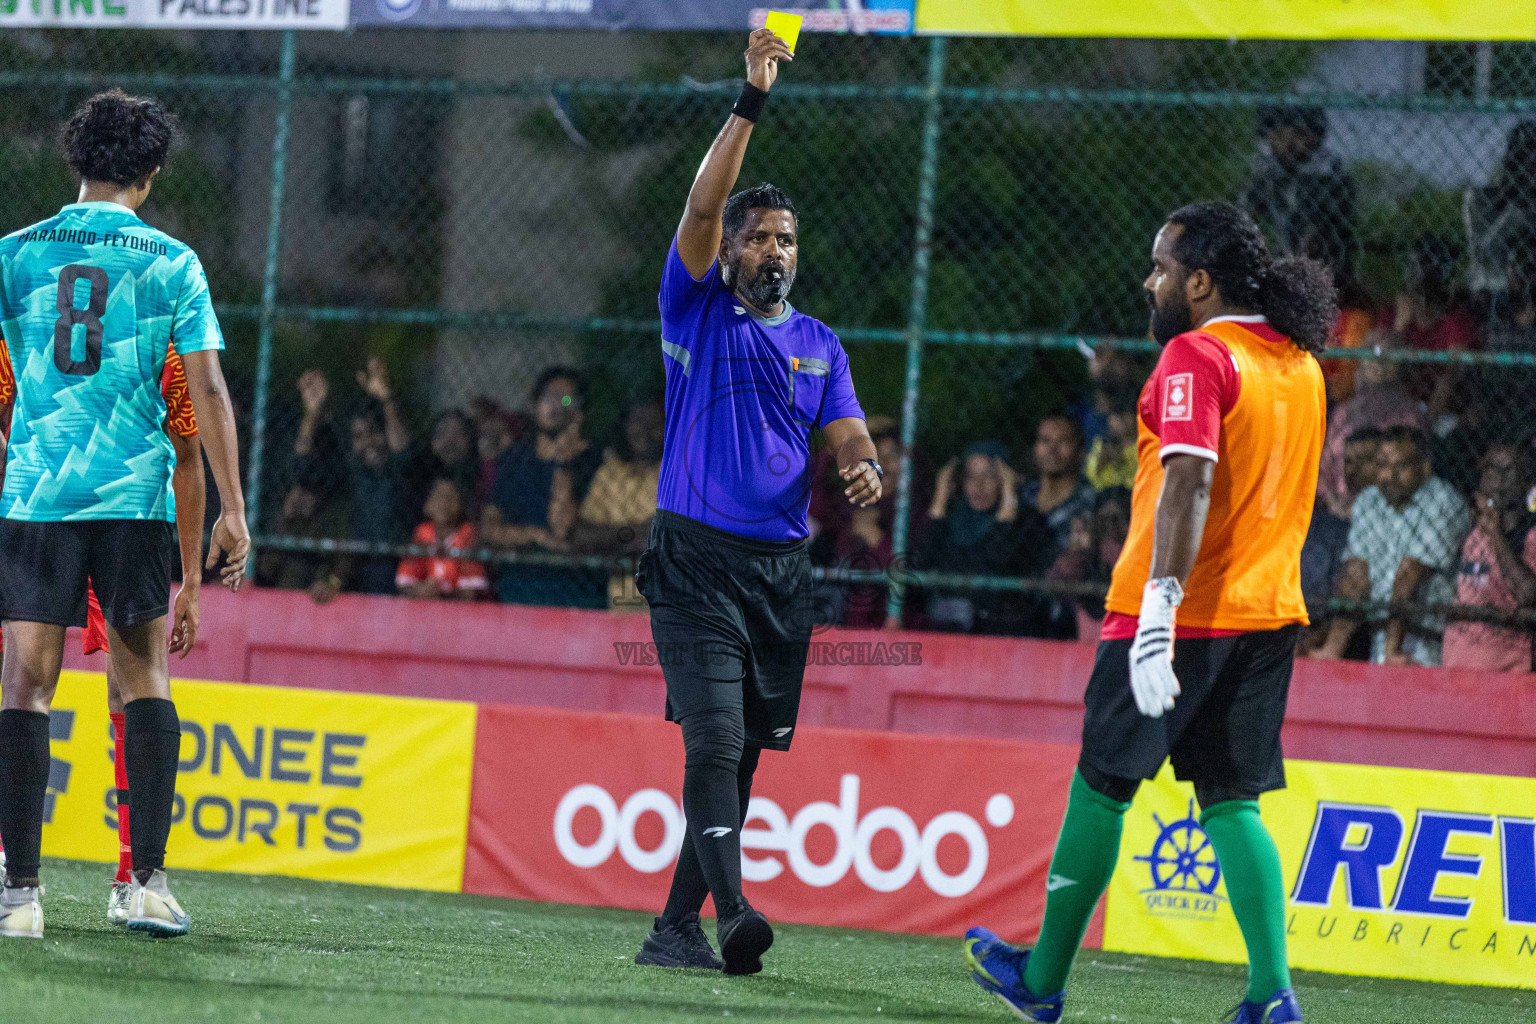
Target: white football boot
x=21, y=912
x=152, y=909
x=118, y=901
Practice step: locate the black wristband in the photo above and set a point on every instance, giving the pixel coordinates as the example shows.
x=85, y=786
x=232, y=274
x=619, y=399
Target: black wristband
x=878, y=471
x=750, y=104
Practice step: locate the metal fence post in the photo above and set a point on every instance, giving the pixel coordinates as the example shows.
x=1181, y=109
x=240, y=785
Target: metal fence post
x=917, y=319
x=269, y=292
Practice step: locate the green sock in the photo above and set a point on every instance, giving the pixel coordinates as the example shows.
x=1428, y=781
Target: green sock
x=1085, y=857
x=1251, y=865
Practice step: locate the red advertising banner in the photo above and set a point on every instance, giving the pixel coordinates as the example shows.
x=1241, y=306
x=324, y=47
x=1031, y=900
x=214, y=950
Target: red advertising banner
x=891, y=831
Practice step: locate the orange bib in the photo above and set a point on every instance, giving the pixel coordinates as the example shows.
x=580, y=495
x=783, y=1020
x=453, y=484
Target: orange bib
x=1247, y=575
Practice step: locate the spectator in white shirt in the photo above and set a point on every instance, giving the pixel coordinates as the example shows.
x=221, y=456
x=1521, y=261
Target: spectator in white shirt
x=1405, y=536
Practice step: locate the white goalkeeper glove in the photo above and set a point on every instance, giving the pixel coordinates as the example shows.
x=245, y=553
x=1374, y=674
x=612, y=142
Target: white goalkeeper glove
x=1152, y=680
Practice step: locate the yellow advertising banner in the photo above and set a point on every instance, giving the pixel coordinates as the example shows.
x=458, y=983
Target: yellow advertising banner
x=1390, y=872
x=1232, y=19
x=315, y=784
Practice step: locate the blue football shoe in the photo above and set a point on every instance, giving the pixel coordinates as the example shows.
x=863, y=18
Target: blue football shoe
x=999, y=968
x=1280, y=1008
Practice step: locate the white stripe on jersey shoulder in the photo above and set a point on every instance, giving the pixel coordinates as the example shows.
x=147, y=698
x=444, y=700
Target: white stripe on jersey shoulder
x=1186, y=449
x=1255, y=318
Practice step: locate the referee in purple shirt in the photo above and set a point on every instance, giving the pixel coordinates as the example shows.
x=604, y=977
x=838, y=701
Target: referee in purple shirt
x=726, y=574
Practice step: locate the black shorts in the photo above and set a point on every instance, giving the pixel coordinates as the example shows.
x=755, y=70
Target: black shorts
x=1224, y=729
x=732, y=620
x=45, y=567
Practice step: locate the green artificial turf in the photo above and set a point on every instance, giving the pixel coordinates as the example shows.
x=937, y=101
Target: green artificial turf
x=278, y=949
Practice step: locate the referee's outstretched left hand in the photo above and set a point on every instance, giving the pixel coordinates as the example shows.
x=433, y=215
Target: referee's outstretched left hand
x=864, y=486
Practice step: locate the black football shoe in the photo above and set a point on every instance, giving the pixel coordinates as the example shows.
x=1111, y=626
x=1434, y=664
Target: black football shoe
x=682, y=944
x=744, y=938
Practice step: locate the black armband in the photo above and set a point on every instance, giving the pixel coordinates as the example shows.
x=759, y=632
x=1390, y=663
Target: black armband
x=750, y=104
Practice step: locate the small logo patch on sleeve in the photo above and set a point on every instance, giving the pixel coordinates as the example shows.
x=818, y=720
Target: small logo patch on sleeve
x=1178, y=397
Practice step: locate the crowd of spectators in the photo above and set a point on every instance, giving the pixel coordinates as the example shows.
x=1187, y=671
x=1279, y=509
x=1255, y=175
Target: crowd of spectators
x=987, y=514
x=1425, y=496
x=486, y=479
x=489, y=479
x=1425, y=501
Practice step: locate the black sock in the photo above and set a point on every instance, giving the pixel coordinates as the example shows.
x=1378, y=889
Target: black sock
x=689, y=887
x=152, y=750
x=23, y=789
x=714, y=741
x=709, y=801
x=688, y=884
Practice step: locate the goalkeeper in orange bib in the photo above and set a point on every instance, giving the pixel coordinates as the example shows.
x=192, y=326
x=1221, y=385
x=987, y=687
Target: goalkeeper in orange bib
x=1229, y=436
x=191, y=501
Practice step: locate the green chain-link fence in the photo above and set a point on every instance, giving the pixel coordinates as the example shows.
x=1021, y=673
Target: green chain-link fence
x=470, y=210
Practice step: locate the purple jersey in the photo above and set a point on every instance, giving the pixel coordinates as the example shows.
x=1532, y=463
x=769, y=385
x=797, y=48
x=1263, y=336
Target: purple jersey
x=743, y=394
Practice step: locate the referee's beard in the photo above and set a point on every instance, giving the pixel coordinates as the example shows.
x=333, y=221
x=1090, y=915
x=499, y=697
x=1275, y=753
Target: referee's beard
x=764, y=286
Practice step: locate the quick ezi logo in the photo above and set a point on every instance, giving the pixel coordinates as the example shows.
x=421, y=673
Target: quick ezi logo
x=1184, y=871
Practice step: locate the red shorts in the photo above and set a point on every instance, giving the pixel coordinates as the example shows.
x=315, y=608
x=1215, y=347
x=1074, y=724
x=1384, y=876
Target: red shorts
x=95, y=636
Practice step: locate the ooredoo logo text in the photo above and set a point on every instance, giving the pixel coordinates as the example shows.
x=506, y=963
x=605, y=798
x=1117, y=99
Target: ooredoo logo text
x=773, y=840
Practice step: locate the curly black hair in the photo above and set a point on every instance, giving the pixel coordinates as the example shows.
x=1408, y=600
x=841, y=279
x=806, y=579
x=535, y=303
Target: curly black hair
x=1296, y=295
x=758, y=197
x=117, y=138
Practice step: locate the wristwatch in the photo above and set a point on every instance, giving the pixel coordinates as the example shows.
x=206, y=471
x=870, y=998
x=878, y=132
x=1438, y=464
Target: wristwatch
x=878, y=471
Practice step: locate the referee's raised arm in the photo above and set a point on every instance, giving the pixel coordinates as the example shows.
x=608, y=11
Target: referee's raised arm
x=698, y=235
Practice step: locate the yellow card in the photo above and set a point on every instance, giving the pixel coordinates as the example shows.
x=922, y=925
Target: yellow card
x=785, y=26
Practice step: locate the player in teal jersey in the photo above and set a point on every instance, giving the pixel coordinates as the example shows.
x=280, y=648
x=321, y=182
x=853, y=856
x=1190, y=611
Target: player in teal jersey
x=90, y=300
